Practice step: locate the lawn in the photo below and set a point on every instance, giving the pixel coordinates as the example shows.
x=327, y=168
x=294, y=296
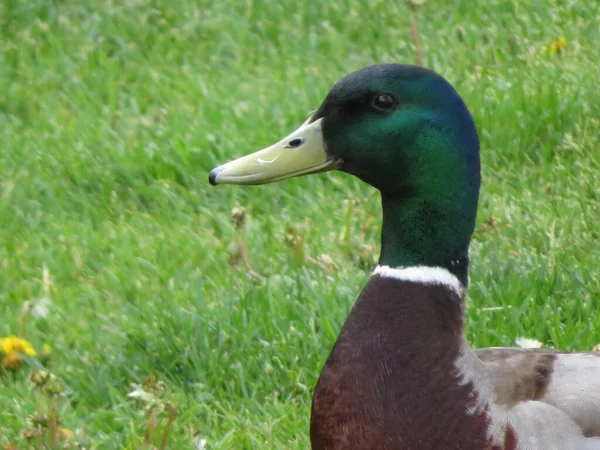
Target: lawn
x=113, y=113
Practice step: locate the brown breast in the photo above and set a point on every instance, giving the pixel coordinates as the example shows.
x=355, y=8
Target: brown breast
x=390, y=381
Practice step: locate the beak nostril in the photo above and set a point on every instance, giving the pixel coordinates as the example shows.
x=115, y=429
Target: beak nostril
x=295, y=143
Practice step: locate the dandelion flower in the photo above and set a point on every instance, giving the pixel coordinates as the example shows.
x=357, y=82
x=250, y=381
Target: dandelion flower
x=12, y=361
x=13, y=344
x=558, y=45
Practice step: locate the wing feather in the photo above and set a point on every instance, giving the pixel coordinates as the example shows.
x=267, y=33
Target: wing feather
x=552, y=398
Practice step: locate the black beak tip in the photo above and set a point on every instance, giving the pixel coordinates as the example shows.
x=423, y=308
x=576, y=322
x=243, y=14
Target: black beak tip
x=212, y=176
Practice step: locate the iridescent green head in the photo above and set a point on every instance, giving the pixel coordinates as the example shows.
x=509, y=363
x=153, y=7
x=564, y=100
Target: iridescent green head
x=405, y=131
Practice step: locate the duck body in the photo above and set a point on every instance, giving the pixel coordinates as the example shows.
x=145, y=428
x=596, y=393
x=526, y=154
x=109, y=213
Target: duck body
x=401, y=375
x=419, y=386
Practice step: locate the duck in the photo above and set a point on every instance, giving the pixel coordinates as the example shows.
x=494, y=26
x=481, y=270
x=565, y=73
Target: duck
x=402, y=375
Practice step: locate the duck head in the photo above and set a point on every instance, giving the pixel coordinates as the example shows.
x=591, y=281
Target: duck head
x=405, y=131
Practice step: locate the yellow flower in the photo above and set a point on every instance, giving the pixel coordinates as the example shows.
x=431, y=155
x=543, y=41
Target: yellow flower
x=557, y=45
x=12, y=361
x=14, y=344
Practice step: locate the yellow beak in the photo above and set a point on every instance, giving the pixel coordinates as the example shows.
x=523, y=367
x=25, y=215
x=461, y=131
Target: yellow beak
x=300, y=153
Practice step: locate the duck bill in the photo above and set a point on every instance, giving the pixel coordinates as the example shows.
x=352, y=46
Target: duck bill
x=300, y=153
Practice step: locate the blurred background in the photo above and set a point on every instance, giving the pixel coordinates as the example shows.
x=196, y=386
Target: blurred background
x=142, y=308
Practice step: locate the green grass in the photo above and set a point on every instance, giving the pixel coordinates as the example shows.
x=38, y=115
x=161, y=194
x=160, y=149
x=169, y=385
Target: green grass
x=110, y=119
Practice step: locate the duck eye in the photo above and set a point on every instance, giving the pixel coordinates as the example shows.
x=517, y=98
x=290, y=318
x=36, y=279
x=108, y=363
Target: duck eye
x=295, y=143
x=384, y=101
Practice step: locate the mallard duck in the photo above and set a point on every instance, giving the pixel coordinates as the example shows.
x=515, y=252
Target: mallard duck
x=402, y=374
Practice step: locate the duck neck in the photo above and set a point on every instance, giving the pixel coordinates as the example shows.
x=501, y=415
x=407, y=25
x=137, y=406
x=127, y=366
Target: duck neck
x=417, y=231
